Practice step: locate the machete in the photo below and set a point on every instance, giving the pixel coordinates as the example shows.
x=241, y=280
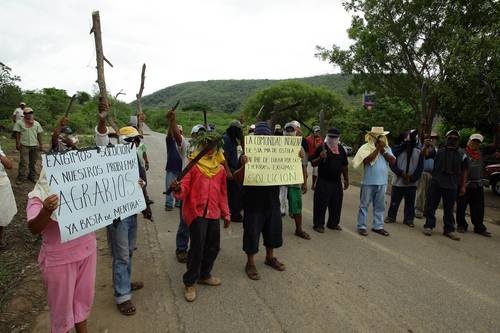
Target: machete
x=176, y=105
x=69, y=105
x=192, y=163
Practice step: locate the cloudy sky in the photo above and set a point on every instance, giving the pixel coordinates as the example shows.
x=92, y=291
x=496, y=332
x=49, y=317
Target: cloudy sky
x=47, y=43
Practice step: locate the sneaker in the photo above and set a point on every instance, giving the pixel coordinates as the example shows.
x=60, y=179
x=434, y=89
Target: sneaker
x=321, y=230
x=427, y=231
x=452, y=236
x=389, y=220
x=181, y=256
x=169, y=208
x=190, y=294
x=211, y=281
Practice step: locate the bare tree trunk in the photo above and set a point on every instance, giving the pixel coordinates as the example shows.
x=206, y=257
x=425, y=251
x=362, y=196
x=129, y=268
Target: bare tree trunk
x=96, y=29
x=140, y=114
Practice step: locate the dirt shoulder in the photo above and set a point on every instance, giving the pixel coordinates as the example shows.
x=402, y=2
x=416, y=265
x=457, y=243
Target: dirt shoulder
x=22, y=295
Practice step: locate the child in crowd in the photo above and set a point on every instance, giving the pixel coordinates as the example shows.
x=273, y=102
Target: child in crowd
x=68, y=269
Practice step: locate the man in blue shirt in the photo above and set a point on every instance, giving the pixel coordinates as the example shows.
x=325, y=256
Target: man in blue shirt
x=375, y=155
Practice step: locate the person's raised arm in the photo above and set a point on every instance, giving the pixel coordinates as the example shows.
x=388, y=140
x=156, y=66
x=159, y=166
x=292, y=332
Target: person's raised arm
x=57, y=131
x=103, y=112
x=173, y=128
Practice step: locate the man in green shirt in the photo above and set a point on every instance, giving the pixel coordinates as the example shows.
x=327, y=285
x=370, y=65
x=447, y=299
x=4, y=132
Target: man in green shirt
x=29, y=143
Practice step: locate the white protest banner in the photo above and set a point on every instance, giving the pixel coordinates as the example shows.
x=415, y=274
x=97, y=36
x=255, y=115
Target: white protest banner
x=95, y=186
x=273, y=160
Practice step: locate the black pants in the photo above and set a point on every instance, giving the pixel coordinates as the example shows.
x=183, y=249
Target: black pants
x=327, y=195
x=474, y=197
x=234, y=198
x=205, y=245
x=397, y=194
x=434, y=195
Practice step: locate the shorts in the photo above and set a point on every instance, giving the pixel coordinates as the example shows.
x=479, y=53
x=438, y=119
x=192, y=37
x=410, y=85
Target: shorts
x=294, y=201
x=315, y=171
x=70, y=292
x=265, y=221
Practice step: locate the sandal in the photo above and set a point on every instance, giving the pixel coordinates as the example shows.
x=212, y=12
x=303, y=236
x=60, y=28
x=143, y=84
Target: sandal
x=136, y=285
x=126, y=308
x=381, y=232
x=274, y=263
x=252, y=273
x=302, y=234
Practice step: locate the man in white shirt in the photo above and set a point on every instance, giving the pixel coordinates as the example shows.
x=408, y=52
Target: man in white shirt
x=18, y=113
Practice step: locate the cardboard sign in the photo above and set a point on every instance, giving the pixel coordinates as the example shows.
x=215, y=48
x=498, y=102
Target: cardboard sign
x=273, y=160
x=94, y=186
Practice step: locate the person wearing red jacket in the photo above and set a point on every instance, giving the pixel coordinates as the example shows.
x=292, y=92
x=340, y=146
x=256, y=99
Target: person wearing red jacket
x=203, y=193
x=314, y=141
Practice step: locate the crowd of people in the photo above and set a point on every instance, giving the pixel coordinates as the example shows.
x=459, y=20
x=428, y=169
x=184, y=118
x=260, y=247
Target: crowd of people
x=422, y=171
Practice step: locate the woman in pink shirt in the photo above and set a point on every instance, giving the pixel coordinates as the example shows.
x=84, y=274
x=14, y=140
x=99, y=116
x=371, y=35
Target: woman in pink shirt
x=68, y=269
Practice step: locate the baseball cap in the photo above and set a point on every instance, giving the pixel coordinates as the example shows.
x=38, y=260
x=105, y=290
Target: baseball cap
x=333, y=132
x=476, y=136
x=316, y=128
x=453, y=132
x=197, y=128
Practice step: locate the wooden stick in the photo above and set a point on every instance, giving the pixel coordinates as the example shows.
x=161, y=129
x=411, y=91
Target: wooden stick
x=138, y=97
x=96, y=29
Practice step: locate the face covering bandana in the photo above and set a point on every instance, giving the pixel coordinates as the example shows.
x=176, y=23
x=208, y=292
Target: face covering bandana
x=333, y=144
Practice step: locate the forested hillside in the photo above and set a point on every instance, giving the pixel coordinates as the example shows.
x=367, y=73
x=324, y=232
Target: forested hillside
x=228, y=95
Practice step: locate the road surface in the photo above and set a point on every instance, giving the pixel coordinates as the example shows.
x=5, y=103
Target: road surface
x=336, y=282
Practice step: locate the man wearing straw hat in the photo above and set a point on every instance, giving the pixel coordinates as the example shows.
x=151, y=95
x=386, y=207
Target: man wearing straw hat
x=375, y=155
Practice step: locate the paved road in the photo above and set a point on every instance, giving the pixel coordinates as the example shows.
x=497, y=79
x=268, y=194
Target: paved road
x=336, y=282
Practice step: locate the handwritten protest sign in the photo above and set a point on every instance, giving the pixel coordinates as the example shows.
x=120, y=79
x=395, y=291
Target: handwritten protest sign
x=273, y=160
x=94, y=187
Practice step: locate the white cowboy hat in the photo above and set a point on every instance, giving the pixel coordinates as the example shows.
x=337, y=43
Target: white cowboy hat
x=378, y=131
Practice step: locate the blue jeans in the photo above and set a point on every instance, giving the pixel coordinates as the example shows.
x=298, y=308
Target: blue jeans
x=169, y=179
x=182, y=237
x=121, y=238
x=397, y=194
x=367, y=195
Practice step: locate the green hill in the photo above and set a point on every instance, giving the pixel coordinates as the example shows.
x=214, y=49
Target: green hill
x=228, y=95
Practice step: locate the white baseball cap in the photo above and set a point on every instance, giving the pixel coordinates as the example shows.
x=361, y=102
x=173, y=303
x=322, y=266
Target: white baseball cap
x=476, y=136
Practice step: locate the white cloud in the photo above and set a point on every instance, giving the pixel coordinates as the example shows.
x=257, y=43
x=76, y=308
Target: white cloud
x=47, y=43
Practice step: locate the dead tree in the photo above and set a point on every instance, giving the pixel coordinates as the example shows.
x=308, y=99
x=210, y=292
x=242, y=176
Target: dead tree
x=139, y=113
x=100, y=58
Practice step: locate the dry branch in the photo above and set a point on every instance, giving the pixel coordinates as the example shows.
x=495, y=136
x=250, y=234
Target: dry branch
x=96, y=29
x=140, y=116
